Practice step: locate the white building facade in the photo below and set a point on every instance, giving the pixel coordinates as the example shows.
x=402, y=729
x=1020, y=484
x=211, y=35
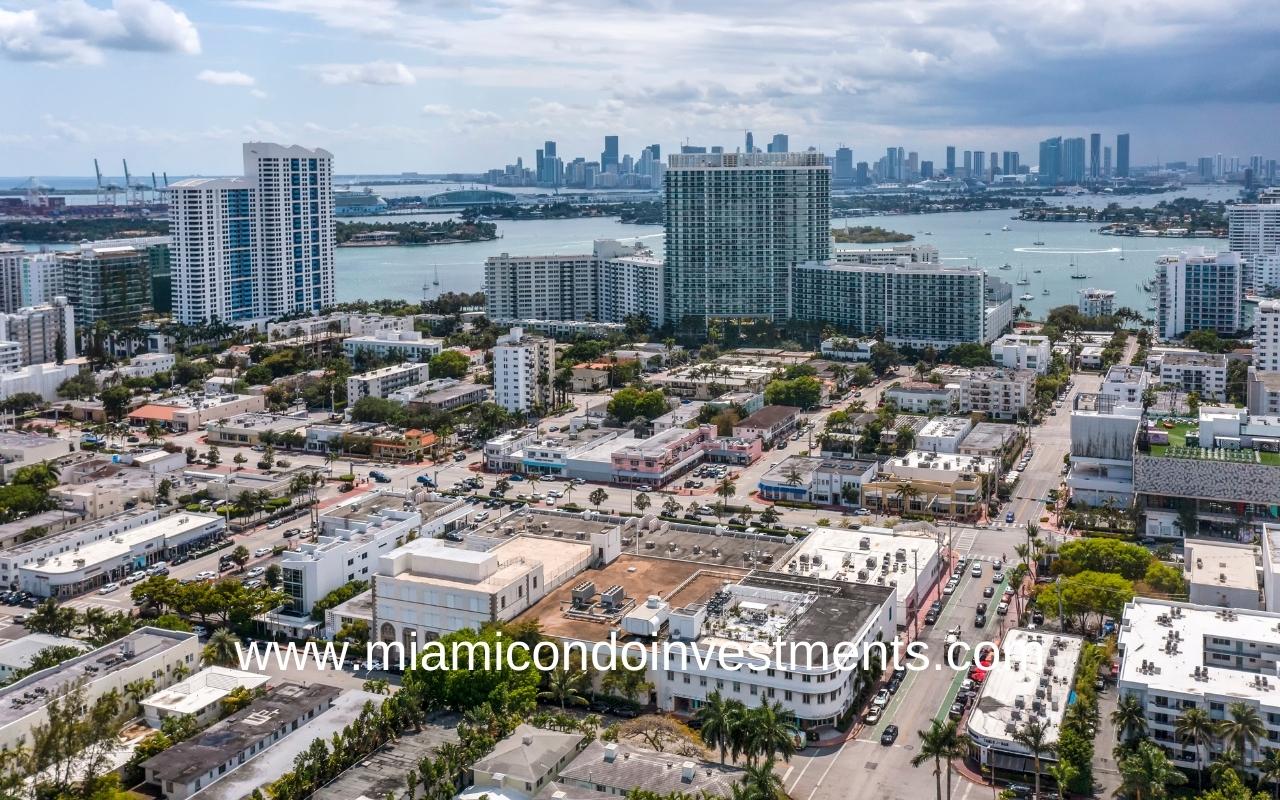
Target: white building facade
x=522, y=369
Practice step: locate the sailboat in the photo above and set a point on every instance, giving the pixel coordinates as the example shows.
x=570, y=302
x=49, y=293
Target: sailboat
x=1076, y=273
x=1045, y=291
x=1004, y=228
x=1023, y=280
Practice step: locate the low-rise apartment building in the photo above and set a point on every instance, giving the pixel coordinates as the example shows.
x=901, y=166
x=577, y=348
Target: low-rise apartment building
x=1223, y=573
x=1202, y=373
x=404, y=345
x=1097, y=302
x=770, y=424
x=1007, y=394
x=219, y=750
x=922, y=397
x=1178, y=656
x=382, y=382
x=1022, y=351
x=147, y=653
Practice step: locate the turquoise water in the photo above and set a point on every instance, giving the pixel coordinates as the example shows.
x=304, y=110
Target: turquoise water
x=1111, y=262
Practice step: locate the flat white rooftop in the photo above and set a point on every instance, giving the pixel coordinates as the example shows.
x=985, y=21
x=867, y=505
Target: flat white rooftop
x=202, y=689
x=1033, y=681
x=847, y=555
x=122, y=544
x=1191, y=650
x=1224, y=565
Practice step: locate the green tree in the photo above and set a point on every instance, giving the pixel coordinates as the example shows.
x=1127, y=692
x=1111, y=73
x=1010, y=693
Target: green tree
x=240, y=555
x=566, y=687
x=222, y=649
x=1196, y=728
x=273, y=575
x=51, y=618
x=597, y=497
x=449, y=364
x=720, y=723
x=1034, y=736
x=933, y=747
x=629, y=403
x=1147, y=774
x=1129, y=718
x=1242, y=728
x=642, y=502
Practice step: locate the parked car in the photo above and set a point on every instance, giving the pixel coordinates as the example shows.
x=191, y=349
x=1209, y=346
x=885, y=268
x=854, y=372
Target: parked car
x=256, y=571
x=1002, y=609
x=882, y=698
x=1037, y=618
x=262, y=551
x=108, y=588
x=873, y=715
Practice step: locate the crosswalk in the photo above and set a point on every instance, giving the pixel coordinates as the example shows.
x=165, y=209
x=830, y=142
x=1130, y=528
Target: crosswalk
x=966, y=540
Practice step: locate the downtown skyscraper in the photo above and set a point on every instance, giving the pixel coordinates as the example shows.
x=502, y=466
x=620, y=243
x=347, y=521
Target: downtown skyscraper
x=1122, y=155
x=736, y=224
x=256, y=247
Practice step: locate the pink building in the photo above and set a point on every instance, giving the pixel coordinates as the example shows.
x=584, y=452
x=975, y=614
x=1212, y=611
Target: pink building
x=670, y=453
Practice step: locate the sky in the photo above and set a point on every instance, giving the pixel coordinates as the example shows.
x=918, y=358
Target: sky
x=453, y=85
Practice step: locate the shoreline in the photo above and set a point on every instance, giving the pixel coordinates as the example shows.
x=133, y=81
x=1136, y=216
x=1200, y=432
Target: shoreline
x=417, y=244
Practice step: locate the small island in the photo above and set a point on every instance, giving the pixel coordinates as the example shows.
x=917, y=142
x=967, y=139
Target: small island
x=868, y=234
x=70, y=231
x=629, y=212
x=383, y=234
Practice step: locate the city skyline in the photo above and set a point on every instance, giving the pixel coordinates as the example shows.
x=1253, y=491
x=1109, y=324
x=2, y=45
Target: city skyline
x=399, y=86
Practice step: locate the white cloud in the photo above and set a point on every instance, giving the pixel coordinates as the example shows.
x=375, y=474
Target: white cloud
x=374, y=73
x=436, y=110
x=258, y=93
x=64, y=129
x=73, y=31
x=229, y=78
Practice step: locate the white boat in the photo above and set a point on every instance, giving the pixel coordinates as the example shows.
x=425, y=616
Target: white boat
x=1004, y=228
x=1023, y=280
x=1027, y=296
x=1006, y=266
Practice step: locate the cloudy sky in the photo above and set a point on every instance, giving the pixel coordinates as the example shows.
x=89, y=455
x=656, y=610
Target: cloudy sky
x=436, y=85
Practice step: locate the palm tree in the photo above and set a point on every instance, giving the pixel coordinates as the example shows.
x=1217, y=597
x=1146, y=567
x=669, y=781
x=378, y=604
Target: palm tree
x=1147, y=774
x=721, y=720
x=1242, y=728
x=1035, y=737
x=565, y=686
x=768, y=731
x=761, y=781
x=955, y=745
x=138, y=689
x=933, y=745
x=1225, y=766
x=1063, y=773
x=1129, y=718
x=223, y=649
x=1269, y=771
x=1196, y=727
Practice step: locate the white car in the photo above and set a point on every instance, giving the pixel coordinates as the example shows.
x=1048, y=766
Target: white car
x=976, y=570
x=953, y=636
x=262, y=551
x=882, y=698
x=256, y=571
x=482, y=516
x=206, y=575
x=873, y=715
x=949, y=589
x=556, y=493
x=109, y=588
